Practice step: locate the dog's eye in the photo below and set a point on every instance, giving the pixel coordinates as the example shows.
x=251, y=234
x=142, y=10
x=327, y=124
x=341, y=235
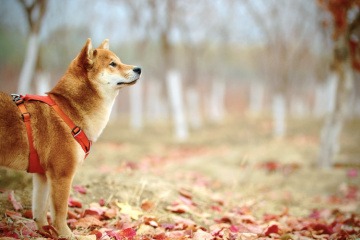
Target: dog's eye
x=113, y=64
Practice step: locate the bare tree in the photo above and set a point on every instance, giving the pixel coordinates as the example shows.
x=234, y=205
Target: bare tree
x=285, y=36
x=35, y=11
x=345, y=59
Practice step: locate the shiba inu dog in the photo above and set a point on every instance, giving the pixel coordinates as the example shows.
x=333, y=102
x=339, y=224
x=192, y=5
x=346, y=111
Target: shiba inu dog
x=85, y=94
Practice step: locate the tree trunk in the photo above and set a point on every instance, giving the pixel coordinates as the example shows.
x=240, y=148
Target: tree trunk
x=334, y=121
x=28, y=68
x=193, y=107
x=176, y=99
x=42, y=83
x=325, y=96
x=279, y=115
x=257, y=92
x=217, y=101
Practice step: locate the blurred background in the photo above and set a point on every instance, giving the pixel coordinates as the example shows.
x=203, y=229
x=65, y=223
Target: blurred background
x=203, y=61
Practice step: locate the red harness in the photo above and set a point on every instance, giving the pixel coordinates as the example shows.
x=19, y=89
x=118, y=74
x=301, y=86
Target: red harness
x=78, y=134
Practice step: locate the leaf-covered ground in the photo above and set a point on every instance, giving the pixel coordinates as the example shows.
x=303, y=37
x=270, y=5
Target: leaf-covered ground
x=228, y=181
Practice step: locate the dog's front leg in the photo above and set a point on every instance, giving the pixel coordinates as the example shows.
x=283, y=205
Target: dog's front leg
x=40, y=200
x=59, y=194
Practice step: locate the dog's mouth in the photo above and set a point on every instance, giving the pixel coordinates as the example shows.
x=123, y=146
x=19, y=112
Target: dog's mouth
x=127, y=83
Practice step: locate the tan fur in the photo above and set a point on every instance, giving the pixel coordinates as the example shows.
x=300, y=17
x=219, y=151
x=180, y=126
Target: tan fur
x=86, y=94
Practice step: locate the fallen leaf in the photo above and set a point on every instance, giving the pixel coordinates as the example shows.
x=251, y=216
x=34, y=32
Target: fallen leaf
x=183, y=221
x=88, y=221
x=178, y=208
x=185, y=193
x=16, y=205
x=128, y=233
x=28, y=214
x=110, y=213
x=12, y=214
x=72, y=202
x=149, y=220
x=129, y=210
x=352, y=173
x=202, y=235
x=80, y=189
x=147, y=205
x=102, y=202
x=272, y=229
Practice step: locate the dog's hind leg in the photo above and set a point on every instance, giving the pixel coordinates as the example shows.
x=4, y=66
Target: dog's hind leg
x=40, y=200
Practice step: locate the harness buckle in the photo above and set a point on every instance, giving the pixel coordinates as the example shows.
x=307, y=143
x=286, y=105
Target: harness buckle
x=26, y=116
x=76, y=131
x=17, y=98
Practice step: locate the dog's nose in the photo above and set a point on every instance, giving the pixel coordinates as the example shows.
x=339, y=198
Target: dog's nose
x=137, y=70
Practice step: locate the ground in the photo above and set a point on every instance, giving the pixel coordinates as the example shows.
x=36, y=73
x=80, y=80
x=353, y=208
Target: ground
x=228, y=181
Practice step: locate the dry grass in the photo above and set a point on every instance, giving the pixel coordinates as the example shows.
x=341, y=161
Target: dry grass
x=219, y=163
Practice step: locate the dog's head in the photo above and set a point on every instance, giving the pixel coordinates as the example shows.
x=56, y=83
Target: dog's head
x=105, y=68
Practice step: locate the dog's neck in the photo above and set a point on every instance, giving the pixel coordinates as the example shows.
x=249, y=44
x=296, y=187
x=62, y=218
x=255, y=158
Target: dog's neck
x=86, y=106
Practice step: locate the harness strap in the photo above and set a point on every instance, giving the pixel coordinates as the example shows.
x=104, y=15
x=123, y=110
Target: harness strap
x=76, y=131
x=78, y=134
x=34, y=162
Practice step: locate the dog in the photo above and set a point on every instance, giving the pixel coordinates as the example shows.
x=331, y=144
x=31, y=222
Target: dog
x=86, y=94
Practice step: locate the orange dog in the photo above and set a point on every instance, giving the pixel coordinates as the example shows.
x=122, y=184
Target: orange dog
x=86, y=94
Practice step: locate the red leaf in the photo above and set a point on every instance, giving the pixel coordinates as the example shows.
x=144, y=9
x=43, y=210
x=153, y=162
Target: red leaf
x=322, y=228
x=352, y=173
x=72, y=215
x=49, y=231
x=128, y=233
x=102, y=202
x=234, y=229
x=147, y=205
x=80, y=189
x=87, y=221
x=114, y=234
x=185, y=193
x=178, y=208
x=28, y=214
x=93, y=212
x=160, y=236
x=17, y=205
x=168, y=226
x=110, y=213
x=97, y=233
x=271, y=165
x=272, y=229
x=74, y=203
x=12, y=214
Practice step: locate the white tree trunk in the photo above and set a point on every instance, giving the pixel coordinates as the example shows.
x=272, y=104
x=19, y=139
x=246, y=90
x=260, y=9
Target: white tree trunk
x=330, y=96
x=257, y=91
x=217, y=101
x=279, y=115
x=325, y=95
x=176, y=99
x=330, y=133
x=136, y=108
x=298, y=107
x=156, y=108
x=42, y=82
x=29, y=64
x=193, y=107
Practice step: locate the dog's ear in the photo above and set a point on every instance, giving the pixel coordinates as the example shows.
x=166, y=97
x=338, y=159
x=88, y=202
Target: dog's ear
x=85, y=57
x=104, y=44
